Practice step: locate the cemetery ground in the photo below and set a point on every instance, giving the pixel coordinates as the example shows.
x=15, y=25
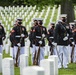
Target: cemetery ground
x=71, y=70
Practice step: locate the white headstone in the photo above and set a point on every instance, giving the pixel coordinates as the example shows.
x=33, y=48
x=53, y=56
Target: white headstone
x=0, y=62
x=53, y=11
x=33, y=70
x=7, y=49
x=55, y=58
x=48, y=66
x=7, y=66
x=11, y=51
x=23, y=62
x=59, y=12
x=46, y=50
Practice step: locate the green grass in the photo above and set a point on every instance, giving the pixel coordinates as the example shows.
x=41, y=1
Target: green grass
x=71, y=70
x=16, y=71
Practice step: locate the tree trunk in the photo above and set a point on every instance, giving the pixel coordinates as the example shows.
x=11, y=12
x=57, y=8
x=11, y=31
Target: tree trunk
x=68, y=8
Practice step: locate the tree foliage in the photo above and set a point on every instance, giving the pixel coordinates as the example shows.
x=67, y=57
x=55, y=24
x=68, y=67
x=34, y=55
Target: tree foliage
x=40, y=2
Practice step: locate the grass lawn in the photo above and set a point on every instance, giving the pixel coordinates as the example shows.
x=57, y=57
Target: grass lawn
x=71, y=70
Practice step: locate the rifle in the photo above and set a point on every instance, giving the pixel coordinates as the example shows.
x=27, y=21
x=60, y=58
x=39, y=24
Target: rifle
x=18, y=52
x=51, y=50
x=34, y=61
x=61, y=60
x=72, y=53
x=37, y=54
x=17, y=55
x=51, y=45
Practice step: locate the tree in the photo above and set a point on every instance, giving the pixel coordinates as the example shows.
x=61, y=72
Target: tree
x=68, y=8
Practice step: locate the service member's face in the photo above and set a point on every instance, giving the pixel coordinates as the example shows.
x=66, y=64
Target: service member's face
x=51, y=26
x=40, y=23
x=35, y=23
x=63, y=19
x=19, y=22
x=71, y=26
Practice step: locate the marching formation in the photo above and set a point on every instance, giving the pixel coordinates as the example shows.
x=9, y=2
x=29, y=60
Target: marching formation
x=61, y=38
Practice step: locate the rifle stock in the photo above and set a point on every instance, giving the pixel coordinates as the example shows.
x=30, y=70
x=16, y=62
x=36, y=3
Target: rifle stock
x=34, y=61
x=72, y=53
x=17, y=55
x=37, y=56
x=51, y=50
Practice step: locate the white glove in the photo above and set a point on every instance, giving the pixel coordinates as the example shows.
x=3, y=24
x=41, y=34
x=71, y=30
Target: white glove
x=53, y=43
x=22, y=35
x=40, y=42
x=43, y=35
x=67, y=34
x=73, y=43
x=2, y=38
x=19, y=44
x=65, y=38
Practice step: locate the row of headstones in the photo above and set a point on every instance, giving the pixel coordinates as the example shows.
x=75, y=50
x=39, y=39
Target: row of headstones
x=27, y=17
x=47, y=66
x=17, y=9
x=15, y=13
x=7, y=23
x=9, y=26
x=21, y=12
